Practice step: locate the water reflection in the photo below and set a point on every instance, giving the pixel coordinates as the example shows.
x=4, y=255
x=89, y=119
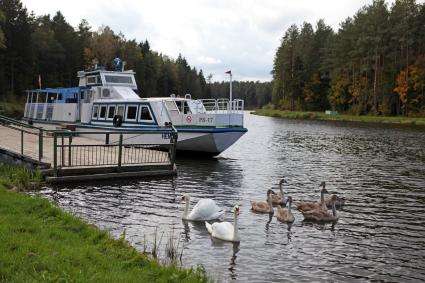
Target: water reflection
x=379, y=234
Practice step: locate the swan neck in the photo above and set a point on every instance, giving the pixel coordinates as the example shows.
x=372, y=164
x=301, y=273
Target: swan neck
x=186, y=208
x=280, y=189
x=235, y=227
x=269, y=201
x=333, y=209
x=322, y=196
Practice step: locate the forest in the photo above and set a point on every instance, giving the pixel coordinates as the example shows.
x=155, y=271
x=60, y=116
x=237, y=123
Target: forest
x=374, y=64
x=49, y=47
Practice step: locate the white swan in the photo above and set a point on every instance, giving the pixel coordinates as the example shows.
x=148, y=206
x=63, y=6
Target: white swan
x=205, y=209
x=225, y=230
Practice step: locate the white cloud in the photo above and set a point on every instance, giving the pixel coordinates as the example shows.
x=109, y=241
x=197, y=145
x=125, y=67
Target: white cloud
x=213, y=35
x=208, y=60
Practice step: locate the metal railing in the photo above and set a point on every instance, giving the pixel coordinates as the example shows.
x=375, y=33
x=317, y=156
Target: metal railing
x=24, y=129
x=67, y=153
x=115, y=148
x=223, y=105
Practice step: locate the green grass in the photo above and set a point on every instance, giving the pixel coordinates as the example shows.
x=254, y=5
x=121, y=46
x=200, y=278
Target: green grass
x=340, y=117
x=19, y=178
x=41, y=243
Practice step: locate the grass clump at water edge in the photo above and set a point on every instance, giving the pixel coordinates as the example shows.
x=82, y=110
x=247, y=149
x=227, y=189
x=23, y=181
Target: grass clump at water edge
x=40, y=242
x=418, y=121
x=19, y=178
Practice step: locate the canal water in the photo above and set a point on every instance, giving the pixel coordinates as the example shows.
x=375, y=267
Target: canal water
x=380, y=235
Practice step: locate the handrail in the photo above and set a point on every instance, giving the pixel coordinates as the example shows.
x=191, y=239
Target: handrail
x=60, y=135
x=74, y=133
x=6, y=121
x=222, y=105
x=65, y=152
x=18, y=123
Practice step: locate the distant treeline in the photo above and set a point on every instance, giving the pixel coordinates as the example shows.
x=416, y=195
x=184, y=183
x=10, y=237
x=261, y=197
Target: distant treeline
x=374, y=64
x=50, y=47
x=255, y=94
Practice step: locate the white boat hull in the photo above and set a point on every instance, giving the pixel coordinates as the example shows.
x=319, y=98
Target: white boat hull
x=209, y=141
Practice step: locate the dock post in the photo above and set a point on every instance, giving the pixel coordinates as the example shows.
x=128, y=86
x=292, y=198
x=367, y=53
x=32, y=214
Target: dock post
x=173, y=149
x=62, y=152
x=69, y=150
x=40, y=144
x=22, y=142
x=107, y=138
x=119, y=152
x=55, y=154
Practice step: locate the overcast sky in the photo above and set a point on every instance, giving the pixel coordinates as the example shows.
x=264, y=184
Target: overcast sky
x=213, y=35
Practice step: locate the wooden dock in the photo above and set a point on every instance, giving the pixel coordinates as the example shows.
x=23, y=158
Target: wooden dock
x=66, y=156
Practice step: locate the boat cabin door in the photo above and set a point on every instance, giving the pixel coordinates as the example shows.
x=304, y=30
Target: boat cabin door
x=173, y=112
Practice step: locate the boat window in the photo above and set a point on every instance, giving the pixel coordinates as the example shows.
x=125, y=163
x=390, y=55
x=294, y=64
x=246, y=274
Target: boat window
x=34, y=97
x=60, y=96
x=121, y=110
x=51, y=98
x=186, y=108
x=94, y=113
x=111, y=111
x=102, y=113
x=42, y=97
x=71, y=98
x=118, y=79
x=145, y=113
x=171, y=105
x=131, y=113
x=93, y=79
x=179, y=105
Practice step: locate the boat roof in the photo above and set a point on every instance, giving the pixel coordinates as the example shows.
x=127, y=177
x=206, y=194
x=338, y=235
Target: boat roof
x=84, y=73
x=66, y=90
x=153, y=99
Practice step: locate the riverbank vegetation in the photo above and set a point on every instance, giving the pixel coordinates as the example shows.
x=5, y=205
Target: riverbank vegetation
x=41, y=243
x=374, y=64
x=419, y=121
x=19, y=178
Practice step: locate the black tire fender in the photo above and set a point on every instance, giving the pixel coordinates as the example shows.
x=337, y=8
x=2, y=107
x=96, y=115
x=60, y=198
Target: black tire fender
x=117, y=121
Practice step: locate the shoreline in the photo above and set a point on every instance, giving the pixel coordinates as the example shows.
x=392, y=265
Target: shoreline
x=400, y=120
x=41, y=242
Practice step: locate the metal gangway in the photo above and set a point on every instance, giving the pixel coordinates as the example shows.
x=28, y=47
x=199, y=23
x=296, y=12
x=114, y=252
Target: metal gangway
x=69, y=155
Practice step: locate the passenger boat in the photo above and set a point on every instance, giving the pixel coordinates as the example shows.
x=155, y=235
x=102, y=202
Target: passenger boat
x=108, y=100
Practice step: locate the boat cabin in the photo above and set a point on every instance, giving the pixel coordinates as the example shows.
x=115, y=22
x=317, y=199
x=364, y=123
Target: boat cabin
x=109, y=99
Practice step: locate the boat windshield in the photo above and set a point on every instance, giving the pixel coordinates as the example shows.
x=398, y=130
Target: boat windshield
x=183, y=106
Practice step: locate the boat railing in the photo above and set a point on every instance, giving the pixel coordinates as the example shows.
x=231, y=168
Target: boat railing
x=223, y=105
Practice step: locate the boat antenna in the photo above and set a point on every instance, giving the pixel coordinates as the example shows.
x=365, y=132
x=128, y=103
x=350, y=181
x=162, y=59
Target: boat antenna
x=230, y=99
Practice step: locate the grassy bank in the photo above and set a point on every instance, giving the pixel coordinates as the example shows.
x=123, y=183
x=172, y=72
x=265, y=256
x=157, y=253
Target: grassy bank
x=41, y=243
x=339, y=117
x=19, y=178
